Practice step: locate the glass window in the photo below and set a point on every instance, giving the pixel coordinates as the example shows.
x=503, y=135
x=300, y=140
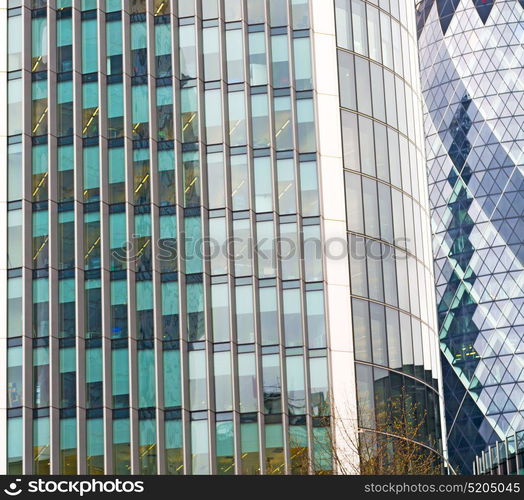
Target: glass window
x=216, y=180
x=199, y=447
x=300, y=13
x=209, y=9
x=247, y=383
x=239, y=182
x=187, y=51
x=302, y=61
x=163, y=49
x=41, y=446
x=218, y=251
x=189, y=114
x=292, y=317
x=197, y=380
x=14, y=445
x=268, y=316
x=298, y=443
x=312, y=253
x=361, y=330
x=255, y=11
x=220, y=312
x=92, y=258
x=213, y=112
x=244, y=314
x=147, y=452
x=40, y=239
x=14, y=377
x=260, y=121
x=278, y=11
x=14, y=307
x=114, y=47
x=119, y=309
x=141, y=176
x=193, y=242
x=39, y=107
x=257, y=59
x=195, y=311
x=263, y=184
x=186, y=8
x=89, y=46
x=166, y=177
x=14, y=238
x=65, y=108
x=164, y=109
x=283, y=123
x=146, y=377
x=41, y=307
x=275, y=461
x=225, y=449
x=170, y=319
x=140, y=111
x=289, y=252
x=68, y=458
x=286, y=187
x=266, y=249
x=249, y=448
x=191, y=167
x=121, y=446
x=93, y=369
x=95, y=445
x=39, y=43
x=211, y=53
x=144, y=309
x=242, y=248
x=120, y=374
x=295, y=385
x=346, y=75
x=280, y=61
x=237, y=119
x=14, y=106
x=115, y=110
x=316, y=328
x=14, y=171
x=174, y=447
x=235, y=56
x=306, y=126
x=360, y=37
x=271, y=384
x=14, y=43
x=40, y=176
x=222, y=377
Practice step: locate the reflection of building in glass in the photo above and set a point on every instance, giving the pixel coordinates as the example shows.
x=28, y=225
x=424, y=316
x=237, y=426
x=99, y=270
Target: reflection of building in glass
x=137, y=130
x=471, y=63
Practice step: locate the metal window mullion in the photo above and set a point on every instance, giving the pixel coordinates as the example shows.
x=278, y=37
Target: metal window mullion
x=27, y=278
x=131, y=295
x=155, y=238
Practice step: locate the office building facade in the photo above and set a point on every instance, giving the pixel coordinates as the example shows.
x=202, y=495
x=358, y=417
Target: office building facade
x=182, y=181
x=471, y=64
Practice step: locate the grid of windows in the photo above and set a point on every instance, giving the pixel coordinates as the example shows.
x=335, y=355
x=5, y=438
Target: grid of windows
x=393, y=306
x=473, y=118
x=146, y=138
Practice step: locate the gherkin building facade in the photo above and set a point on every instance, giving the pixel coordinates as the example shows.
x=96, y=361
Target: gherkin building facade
x=471, y=54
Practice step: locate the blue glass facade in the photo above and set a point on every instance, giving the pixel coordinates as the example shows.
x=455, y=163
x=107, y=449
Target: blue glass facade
x=471, y=64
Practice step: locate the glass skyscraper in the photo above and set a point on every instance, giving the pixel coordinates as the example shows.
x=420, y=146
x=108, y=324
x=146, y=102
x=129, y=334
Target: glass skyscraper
x=181, y=182
x=471, y=63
